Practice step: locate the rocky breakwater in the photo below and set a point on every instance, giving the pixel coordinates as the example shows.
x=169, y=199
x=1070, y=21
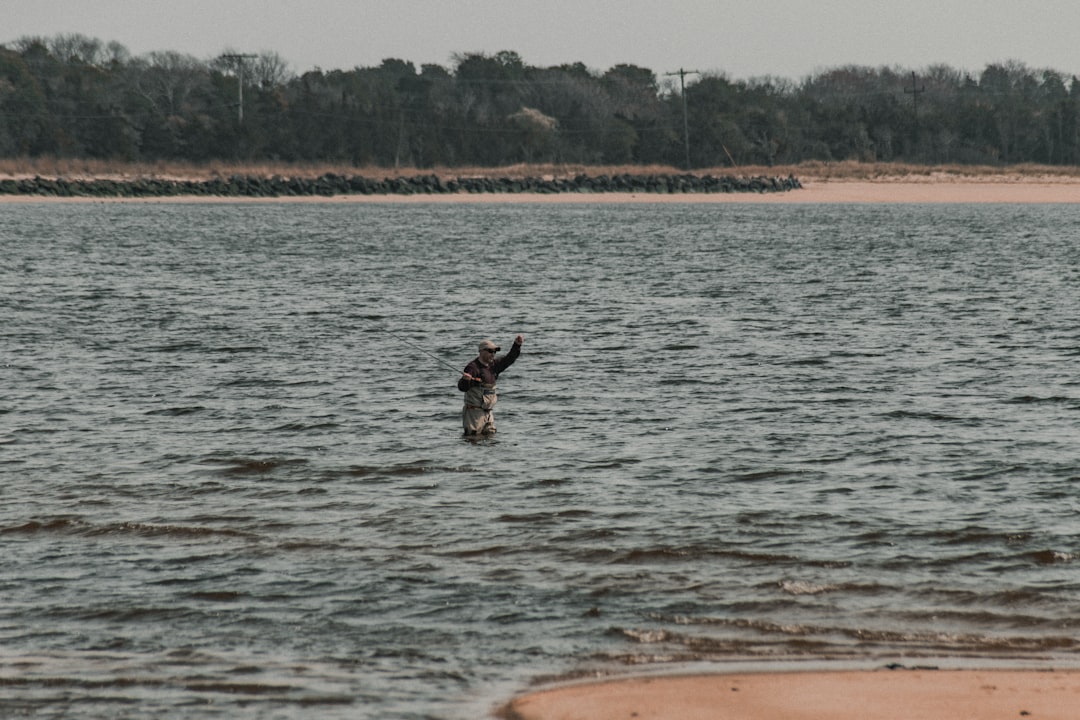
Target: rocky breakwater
x=331, y=185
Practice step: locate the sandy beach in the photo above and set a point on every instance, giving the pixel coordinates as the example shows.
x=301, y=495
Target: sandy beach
x=856, y=695
x=931, y=191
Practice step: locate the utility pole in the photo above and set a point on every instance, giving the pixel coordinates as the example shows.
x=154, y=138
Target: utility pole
x=915, y=92
x=239, y=60
x=685, y=121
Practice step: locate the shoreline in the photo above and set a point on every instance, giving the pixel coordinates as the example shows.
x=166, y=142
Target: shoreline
x=877, y=694
x=924, y=190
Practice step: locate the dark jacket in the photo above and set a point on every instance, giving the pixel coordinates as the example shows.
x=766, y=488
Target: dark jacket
x=490, y=373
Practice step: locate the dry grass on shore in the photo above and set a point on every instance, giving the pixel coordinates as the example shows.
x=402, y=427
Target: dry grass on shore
x=846, y=171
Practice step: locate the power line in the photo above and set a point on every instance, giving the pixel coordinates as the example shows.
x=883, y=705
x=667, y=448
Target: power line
x=685, y=118
x=915, y=92
x=239, y=60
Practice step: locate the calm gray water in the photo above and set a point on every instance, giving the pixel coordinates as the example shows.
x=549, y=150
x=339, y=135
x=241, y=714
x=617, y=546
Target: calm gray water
x=233, y=486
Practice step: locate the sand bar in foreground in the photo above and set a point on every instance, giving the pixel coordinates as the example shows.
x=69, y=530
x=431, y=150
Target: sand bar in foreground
x=834, y=695
x=813, y=191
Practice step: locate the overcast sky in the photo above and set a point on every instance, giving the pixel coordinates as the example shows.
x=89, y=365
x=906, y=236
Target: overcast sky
x=742, y=38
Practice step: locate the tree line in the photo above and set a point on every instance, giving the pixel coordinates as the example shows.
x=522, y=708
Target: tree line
x=79, y=97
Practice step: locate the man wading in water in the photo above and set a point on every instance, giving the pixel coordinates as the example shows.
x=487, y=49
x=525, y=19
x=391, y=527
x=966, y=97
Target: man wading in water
x=478, y=384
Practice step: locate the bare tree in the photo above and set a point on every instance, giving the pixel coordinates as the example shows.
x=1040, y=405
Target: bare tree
x=74, y=48
x=166, y=80
x=269, y=70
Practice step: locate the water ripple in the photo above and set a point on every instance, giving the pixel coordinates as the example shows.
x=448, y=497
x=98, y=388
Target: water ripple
x=233, y=480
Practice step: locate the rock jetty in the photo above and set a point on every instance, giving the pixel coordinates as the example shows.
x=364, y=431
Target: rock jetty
x=330, y=185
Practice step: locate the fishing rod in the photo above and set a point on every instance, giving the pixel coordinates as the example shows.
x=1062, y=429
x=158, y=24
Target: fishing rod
x=414, y=346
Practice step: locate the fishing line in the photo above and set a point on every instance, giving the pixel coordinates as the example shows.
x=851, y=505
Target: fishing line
x=417, y=347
